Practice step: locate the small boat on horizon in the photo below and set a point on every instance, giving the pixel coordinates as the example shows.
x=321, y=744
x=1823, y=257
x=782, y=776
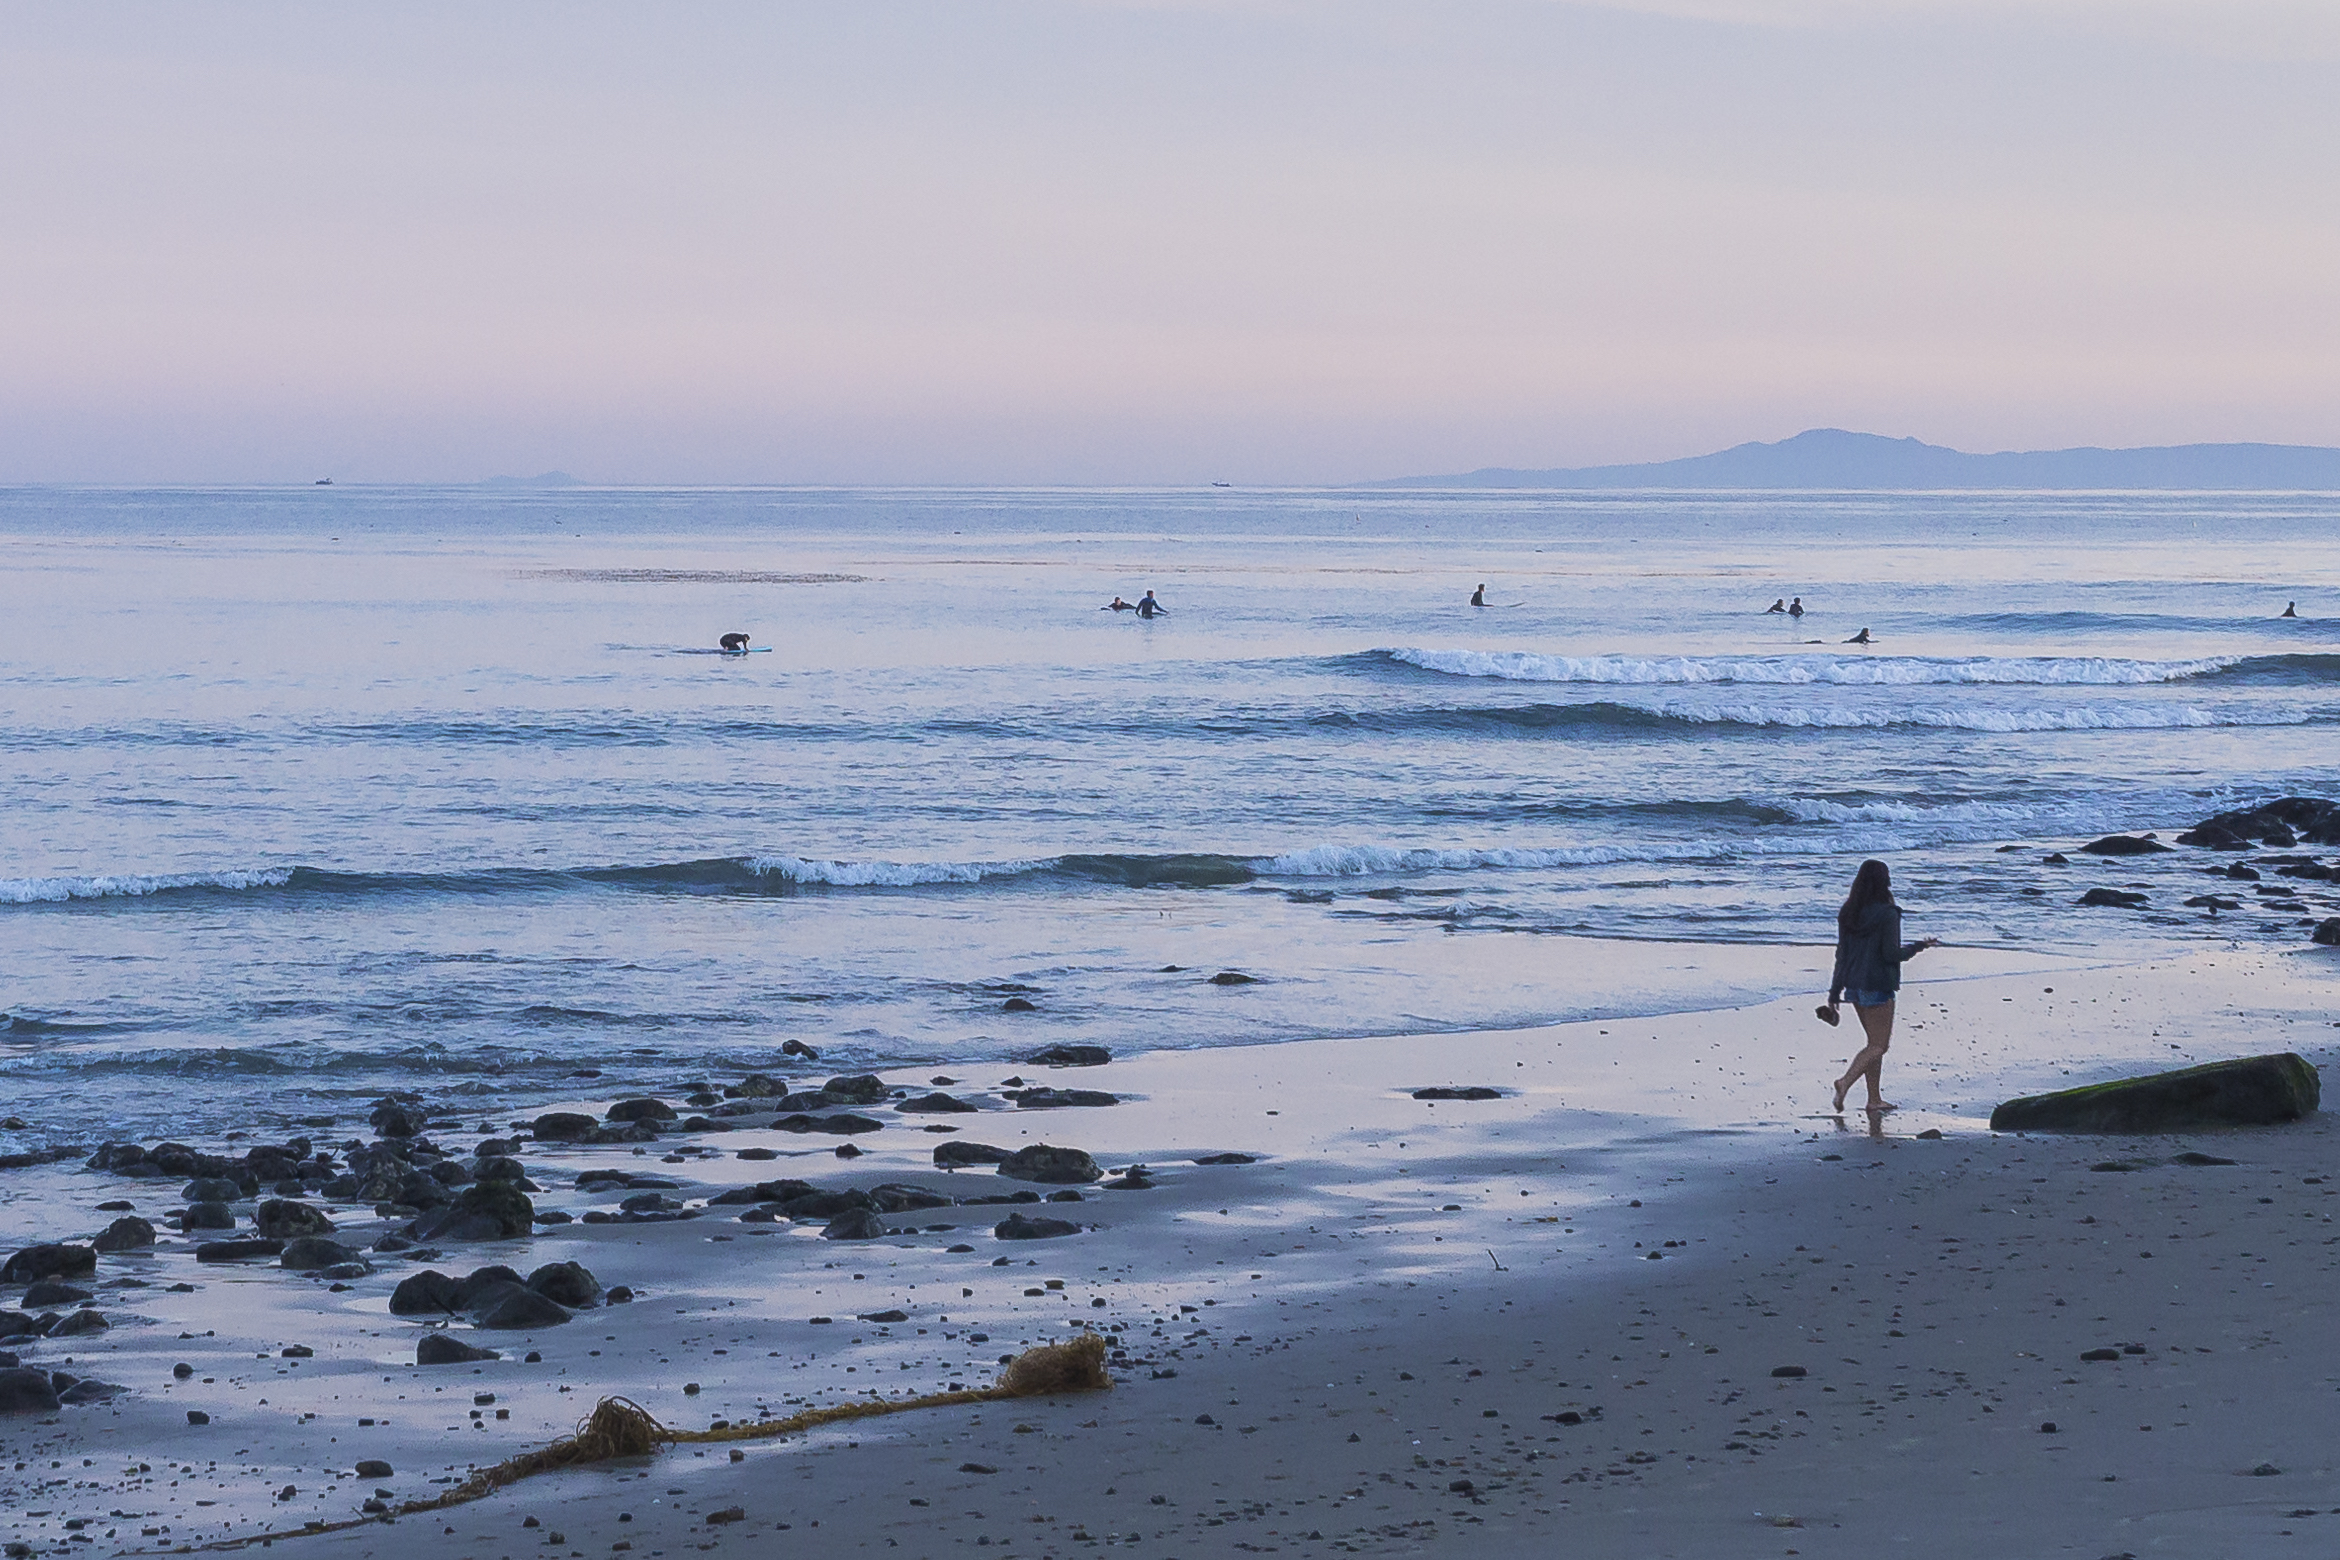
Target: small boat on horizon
x=322, y=482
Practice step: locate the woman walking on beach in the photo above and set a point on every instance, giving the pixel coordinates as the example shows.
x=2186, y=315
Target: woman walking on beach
x=1869, y=953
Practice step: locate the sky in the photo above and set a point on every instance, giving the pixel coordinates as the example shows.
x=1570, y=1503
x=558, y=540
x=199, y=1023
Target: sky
x=1108, y=243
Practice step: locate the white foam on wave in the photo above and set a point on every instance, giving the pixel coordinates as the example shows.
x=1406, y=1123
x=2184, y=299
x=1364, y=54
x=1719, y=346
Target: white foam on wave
x=1806, y=670
x=1363, y=860
x=2108, y=717
x=1812, y=809
x=57, y=890
x=889, y=874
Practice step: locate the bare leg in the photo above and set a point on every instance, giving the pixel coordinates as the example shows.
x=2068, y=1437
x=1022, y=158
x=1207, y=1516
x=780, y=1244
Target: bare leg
x=1869, y=1062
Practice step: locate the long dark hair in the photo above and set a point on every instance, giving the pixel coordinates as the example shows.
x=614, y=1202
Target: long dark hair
x=1873, y=884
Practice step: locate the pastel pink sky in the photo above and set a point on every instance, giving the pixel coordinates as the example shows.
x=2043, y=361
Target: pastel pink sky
x=1101, y=243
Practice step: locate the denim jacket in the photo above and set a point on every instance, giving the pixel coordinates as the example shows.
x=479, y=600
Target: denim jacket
x=1868, y=958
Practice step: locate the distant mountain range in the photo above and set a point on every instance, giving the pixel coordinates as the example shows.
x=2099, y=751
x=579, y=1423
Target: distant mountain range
x=1834, y=458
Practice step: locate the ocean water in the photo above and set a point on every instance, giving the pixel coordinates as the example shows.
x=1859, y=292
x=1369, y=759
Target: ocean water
x=314, y=794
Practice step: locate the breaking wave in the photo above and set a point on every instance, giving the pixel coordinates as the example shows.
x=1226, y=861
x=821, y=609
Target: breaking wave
x=1798, y=670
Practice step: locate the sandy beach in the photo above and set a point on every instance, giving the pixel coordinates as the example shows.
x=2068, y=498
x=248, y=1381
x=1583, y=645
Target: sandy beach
x=1494, y=1326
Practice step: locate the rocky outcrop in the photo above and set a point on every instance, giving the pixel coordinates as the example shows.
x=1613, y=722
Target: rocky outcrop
x=959, y=1155
x=428, y=1293
x=2279, y=824
x=2254, y=1091
x=842, y=1123
x=938, y=1104
x=2112, y=898
x=1058, y=1099
x=2123, y=845
x=1070, y=1056
x=511, y=1307
x=1051, y=1166
x=393, y=1118
x=280, y=1219
x=855, y=1224
x=25, y=1390
x=487, y=1210
x=313, y=1253
x=566, y=1283
x=34, y=1263
x=439, y=1349
x=128, y=1233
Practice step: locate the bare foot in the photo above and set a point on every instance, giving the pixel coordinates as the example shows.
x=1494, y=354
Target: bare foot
x=1880, y=1107
x=1840, y=1093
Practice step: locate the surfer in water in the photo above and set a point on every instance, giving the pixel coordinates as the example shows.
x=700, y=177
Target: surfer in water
x=1795, y=608
x=1860, y=638
x=2290, y=610
x=734, y=644
x=1479, y=596
x=1148, y=607
x=1117, y=605
x=1779, y=605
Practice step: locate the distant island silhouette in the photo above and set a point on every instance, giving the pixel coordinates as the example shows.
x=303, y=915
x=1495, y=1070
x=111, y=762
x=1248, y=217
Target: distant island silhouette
x=1835, y=458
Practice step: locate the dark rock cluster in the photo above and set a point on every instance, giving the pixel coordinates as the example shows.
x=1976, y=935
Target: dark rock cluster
x=2277, y=825
x=498, y=1297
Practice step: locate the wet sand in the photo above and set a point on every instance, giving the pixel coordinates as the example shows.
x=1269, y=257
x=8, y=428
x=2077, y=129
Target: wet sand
x=1369, y=1340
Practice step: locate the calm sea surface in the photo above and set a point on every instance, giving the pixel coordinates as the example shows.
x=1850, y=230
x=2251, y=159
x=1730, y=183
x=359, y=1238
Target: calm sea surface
x=312, y=794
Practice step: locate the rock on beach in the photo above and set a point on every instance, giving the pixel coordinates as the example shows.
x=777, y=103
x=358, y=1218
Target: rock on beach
x=960, y=1155
x=24, y=1390
x=128, y=1233
x=55, y=1260
x=1057, y=1099
x=2123, y=845
x=487, y=1210
x=439, y=1349
x=2251, y=1091
x=1070, y=1056
x=308, y=1253
x=1051, y=1166
x=281, y=1219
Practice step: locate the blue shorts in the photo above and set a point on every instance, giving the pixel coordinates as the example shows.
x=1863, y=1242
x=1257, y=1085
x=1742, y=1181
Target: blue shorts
x=1868, y=998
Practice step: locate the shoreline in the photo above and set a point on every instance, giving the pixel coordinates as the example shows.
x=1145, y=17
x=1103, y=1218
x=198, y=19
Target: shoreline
x=1303, y=1267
